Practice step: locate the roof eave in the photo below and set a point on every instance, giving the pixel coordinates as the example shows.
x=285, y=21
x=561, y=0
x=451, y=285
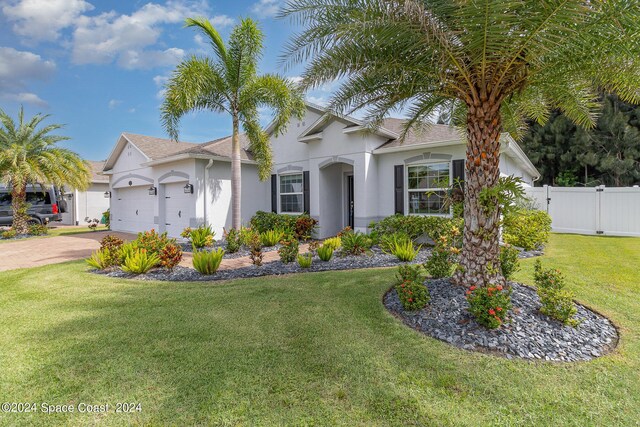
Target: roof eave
x=513, y=147
x=187, y=156
x=410, y=147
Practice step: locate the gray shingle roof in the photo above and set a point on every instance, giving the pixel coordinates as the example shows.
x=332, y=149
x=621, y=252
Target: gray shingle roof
x=156, y=148
x=220, y=147
x=96, y=168
x=431, y=134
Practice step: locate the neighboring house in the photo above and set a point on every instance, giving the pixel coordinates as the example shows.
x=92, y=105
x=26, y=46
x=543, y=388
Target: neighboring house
x=331, y=167
x=90, y=203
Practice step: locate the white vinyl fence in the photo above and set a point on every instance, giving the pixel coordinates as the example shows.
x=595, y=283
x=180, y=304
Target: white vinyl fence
x=613, y=211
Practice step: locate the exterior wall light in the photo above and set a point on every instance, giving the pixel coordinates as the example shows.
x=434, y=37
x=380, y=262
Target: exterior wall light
x=153, y=191
x=107, y=194
x=188, y=188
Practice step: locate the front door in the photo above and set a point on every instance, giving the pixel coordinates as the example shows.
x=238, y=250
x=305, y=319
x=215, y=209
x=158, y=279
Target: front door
x=350, y=201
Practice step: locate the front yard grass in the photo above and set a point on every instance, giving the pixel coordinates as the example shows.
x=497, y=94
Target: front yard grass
x=313, y=348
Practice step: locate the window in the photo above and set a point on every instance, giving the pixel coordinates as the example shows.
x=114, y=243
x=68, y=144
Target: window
x=291, y=195
x=427, y=184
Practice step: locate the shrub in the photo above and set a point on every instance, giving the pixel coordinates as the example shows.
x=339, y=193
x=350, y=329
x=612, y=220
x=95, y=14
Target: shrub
x=526, y=228
x=509, y=261
x=404, y=250
x=153, y=242
x=413, y=295
x=140, y=261
x=255, y=246
x=334, y=243
x=113, y=243
x=200, y=237
x=442, y=260
x=304, y=261
x=411, y=273
x=557, y=302
x=389, y=241
x=289, y=249
x=37, y=230
x=232, y=239
x=416, y=225
x=126, y=250
x=246, y=235
x=304, y=227
x=489, y=304
x=271, y=237
x=9, y=234
x=103, y=259
x=325, y=252
x=170, y=256
x=207, y=262
x=355, y=243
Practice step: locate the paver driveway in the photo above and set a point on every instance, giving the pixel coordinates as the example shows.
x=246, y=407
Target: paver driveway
x=51, y=250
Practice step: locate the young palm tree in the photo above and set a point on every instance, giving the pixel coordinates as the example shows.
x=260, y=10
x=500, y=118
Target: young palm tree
x=228, y=83
x=29, y=155
x=499, y=61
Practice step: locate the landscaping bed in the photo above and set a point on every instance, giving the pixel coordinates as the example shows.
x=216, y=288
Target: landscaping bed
x=242, y=252
x=375, y=258
x=528, y=335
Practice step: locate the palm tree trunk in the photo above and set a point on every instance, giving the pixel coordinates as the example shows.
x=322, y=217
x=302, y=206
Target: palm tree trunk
x=480, y=257
x=19, y=207
x=236, y=176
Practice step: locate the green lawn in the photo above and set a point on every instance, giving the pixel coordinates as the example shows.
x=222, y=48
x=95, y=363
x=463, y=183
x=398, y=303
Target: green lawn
x=61, y=231
x=312, y=349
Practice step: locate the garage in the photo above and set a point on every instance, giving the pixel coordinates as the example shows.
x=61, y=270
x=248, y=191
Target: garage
x=178, y=207
x=132, y=209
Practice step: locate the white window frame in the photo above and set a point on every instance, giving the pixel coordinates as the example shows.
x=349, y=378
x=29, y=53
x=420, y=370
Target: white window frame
x=407, y=190
x=280, y=194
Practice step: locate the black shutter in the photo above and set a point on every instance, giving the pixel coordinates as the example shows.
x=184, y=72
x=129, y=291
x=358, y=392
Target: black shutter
x=458, y=170
x=274, y=193
x=398, y=181
x=305, y=190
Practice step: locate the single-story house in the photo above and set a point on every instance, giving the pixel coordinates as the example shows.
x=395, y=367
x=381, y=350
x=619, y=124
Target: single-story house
x=331, y=167
x=90, y=203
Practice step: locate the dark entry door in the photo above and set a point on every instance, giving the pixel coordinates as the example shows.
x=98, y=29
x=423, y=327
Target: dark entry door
x=350, y=200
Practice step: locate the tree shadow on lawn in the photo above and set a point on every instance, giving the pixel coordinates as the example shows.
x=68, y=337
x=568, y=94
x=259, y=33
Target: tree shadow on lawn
x=317, y=347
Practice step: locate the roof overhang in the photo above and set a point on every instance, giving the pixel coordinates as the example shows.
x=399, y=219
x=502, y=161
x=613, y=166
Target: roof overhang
x=187, y=156
x=510, y=146
x=410, y=147
x=117, y=150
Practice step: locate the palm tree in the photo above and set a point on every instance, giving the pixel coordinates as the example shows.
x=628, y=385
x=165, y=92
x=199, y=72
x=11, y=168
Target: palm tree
x=228, y=83
x=29, y=155
x=497, y=61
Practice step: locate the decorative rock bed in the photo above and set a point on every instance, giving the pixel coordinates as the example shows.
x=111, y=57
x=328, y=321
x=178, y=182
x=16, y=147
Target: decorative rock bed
x=376, y=258
x=242, y=252
x=529, y=334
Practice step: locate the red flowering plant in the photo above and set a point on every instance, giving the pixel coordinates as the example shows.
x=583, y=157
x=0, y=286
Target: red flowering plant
x=412, y=292
x=489, y=304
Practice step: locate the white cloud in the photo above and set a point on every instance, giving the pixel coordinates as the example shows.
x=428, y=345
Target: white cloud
x=25, y=98
x=318, y=100
x=43, y=19
x=266, y=8
x=114, y=103
x=222, y=21
x=160, y=81
x=110, y=37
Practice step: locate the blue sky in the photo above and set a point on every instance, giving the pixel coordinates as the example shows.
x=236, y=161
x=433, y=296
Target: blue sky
x=98, y=66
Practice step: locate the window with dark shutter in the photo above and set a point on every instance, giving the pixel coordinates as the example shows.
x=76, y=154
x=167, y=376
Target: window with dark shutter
x=398, y=183
x=305, y=191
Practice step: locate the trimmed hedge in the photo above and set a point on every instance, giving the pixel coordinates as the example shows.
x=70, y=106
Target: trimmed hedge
x=415, y=226
x=300, y=226
x=526, y=228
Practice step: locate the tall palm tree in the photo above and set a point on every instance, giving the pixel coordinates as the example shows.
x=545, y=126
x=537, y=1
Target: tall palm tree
x=229, y=83
x=29, y=155
x=498, y=61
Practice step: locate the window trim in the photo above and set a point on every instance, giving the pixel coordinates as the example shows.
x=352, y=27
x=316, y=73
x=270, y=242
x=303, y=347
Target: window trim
x=407, y=190
x=280, y=193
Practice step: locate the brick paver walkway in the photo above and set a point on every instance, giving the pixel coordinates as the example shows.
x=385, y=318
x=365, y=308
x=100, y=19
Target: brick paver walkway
x=52, y=250
x=233, y=263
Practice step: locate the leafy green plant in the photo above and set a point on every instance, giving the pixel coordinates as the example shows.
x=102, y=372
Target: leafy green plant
x=127, y=250
x=489, y=304
x=271, y=237
x=442, y=260
x=103, y=259
x=170, y=256
x=413, y=295
x=289, y=249
x=38, y=230
x=411, y=273
x=140, y=261
x=388, y=241
x=265, y=221
x=333, y=242
x=255, y=247
x=305, y=260
x=325, y=252
x=246, y=235
x=304, y=227
x=9, y=234
x=111, y=242
x=526, y=228
x=404, y=250
x=153, y=242
x=355, y=243
x=207, y=262
x=200, y=237
x=509, y=261
x=232, y=239
x=557, y=302
x=415, y=226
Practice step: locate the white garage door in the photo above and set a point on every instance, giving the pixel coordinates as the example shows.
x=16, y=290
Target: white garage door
x=132, y=209
x=178, y=207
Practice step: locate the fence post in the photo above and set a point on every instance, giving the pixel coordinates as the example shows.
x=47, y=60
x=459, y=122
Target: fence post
x=599, y=191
